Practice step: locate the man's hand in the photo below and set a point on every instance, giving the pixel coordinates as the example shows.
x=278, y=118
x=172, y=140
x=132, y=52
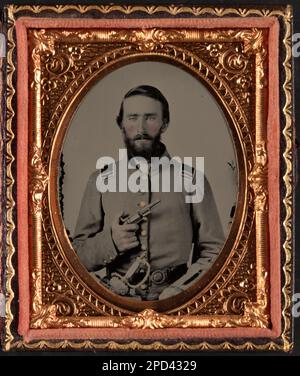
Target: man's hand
x=124, y=236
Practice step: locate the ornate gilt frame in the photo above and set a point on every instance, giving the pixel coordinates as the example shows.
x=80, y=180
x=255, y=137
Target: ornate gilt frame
x=242, y=309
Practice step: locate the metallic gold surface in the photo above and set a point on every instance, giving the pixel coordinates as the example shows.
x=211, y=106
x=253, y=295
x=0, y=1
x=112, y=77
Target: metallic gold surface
x=234, y=293
x=163, y=48
x=288, y=182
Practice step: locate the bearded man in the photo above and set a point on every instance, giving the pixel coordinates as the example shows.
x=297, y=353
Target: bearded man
x=151, y=259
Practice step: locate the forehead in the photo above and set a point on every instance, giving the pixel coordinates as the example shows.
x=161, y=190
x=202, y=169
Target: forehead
x=141, y=104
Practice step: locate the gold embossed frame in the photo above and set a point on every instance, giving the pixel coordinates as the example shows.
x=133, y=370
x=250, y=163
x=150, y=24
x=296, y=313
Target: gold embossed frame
x=55, y=55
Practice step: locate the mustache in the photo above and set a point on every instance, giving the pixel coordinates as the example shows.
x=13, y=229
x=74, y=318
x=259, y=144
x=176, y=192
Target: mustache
x=142, y=137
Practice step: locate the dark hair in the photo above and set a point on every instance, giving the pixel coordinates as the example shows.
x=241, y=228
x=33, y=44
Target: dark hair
x=150, y=92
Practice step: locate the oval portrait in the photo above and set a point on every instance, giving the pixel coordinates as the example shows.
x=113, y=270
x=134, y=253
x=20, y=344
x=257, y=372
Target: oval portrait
x=148, y=182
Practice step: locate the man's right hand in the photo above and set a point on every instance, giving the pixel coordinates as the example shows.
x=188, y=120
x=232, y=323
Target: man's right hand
x=124, y=236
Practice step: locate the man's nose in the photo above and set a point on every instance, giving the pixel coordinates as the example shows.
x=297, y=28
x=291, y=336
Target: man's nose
x=142, y=124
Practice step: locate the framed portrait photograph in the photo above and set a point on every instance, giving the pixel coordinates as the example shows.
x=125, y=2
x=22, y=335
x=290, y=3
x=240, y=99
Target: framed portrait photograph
x=100, y=145
x=149, y=178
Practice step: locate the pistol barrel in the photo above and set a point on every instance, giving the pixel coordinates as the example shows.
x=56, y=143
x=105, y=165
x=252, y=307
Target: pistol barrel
x=141, y=213
x=149, y=206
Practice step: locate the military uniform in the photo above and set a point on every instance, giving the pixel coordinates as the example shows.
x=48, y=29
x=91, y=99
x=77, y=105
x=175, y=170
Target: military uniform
x=166, y=236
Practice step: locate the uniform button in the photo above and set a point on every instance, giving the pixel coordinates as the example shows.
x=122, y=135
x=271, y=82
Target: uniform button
x=143, y=247
x=142, y=204
x=144, y=233
x=158, y=276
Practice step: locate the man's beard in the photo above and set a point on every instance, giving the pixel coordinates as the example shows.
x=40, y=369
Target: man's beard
x=152, y=150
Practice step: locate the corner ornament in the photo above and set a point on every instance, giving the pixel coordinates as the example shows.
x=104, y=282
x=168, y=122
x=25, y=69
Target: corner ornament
x=42, y=315
x=252, y=38
x=257, y=313
x=52, y=315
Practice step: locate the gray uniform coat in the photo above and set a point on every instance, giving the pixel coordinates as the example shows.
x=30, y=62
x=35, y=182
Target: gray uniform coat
x=168, y=235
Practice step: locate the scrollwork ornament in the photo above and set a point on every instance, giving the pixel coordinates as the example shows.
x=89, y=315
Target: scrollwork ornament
x=46, y=40
x=58, y=64
x=215, y=49
x=252, y=38
x=243, y=84
x=39, y=180
x=258, y=177
x=233, y=61
x=47, y=57
x=44, y=44
x=55, y=314
x=65, y=306
x=253, y=44
x=149, y=319
x=234, y=303
x=257, y=313
x=42, y=315
x=148, y=40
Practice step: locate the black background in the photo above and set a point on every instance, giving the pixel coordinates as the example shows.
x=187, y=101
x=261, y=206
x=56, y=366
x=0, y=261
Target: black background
x=95, y=366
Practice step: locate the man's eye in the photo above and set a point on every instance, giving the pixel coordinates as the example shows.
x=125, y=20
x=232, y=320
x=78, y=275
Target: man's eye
x=151, y=117
x=132, y=117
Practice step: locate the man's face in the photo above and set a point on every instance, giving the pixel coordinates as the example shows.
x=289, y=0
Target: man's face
x=142, y=124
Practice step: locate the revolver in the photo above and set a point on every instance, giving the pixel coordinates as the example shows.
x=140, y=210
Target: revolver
x=123, y=284
x=140, y=215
